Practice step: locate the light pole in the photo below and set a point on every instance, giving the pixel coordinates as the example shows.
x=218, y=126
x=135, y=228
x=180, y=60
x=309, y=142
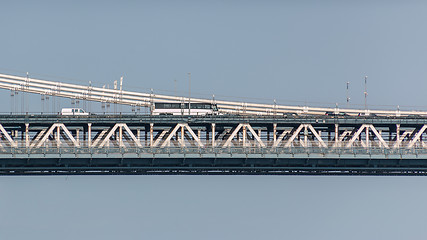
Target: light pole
x=189, y=92
x=366, y=93
x=348, y=97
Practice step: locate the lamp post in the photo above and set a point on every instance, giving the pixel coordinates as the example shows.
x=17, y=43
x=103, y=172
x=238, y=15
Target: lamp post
x=348, y=97
x=366, y=93
x=189, y=92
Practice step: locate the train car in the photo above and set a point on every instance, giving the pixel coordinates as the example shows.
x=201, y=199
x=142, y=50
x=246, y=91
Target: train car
x=184, y=109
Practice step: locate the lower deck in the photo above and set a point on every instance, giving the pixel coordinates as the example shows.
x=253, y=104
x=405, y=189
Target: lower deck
x=232, y=161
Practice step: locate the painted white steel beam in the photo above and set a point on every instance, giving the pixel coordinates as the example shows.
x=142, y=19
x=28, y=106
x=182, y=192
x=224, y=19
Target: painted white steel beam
x=341, y=138
x=417, y=136
x=37, y=138
x=58, y=127
x=8, y=137
x=182, y=126
x=378, y=135
x=294, y=135
x=304, y=142
x=356, y=136
x=159, y=138
x=130, y=133
x=243, y=126
x=90, y=93
x=367, y=127
x=255, y=135
x=280, y=138
x=400, y=138
x=316, y=134
x=120, y=127
x=99, y=137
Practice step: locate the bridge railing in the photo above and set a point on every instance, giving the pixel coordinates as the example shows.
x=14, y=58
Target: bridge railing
x=254, y=151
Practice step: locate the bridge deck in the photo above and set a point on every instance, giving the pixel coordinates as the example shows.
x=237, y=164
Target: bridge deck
x=227, y=144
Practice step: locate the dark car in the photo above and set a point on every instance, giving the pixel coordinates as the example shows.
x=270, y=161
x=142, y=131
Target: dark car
x=333, y=114
x=290, y=115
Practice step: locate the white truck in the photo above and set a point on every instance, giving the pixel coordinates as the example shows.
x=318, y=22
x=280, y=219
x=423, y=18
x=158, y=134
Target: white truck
x=73, y=112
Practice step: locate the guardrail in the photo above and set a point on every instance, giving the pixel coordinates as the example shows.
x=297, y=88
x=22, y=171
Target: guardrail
x=228, y=151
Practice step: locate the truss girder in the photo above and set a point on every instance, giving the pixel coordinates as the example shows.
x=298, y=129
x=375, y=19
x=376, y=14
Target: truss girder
x=367, y=127
x=296, y=132
x=400, y=139
x=244, y=127
x=187, y=134
x=183, y=127
x=120, y=127
x=58, y=127
x=417, y=136
x=338, y=142
x=8, y=137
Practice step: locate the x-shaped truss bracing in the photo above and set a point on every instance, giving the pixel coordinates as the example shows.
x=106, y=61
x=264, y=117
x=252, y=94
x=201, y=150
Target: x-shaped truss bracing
x=244, y=127
x=8, y=137
x=367, y=127
x=120, y=127
x=58, y=127
x=183, y=127
x=296, y=133
x=241, y=135
x=417, y=136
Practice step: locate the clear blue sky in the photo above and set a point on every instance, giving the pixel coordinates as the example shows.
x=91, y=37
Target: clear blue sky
x=212, y=207
x=298, y=52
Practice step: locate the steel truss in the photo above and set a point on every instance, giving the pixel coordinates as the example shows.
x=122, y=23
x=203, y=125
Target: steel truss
x=144, y=144
x=212, y=135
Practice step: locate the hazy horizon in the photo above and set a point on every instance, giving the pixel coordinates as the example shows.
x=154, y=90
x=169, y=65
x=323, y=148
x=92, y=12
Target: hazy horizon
x=297, y=52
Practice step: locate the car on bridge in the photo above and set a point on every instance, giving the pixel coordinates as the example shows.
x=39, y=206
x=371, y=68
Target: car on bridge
x=334, y=114
x=74, y=112
x=367, y=114
x=290, y=115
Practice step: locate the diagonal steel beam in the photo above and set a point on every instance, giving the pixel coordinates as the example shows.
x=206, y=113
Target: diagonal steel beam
x=127, y=129
x=8, y=137
x=195, y=137
x=236, y=130
x=50, y=131
x=294, y=135
x=341, y=138
x=159, y=138
x=99, y=137
x=417, y=137
x=380, y=138
x=171, y=134
x=110, y=133
x=255, y=135
x=280, y=138
x=316, y=134
x=401, y=138
x=356, y=135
